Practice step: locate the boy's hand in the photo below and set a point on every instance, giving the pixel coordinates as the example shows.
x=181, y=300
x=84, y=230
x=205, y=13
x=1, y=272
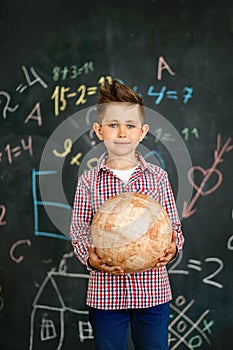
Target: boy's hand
x=102, y=264
x=169, y=252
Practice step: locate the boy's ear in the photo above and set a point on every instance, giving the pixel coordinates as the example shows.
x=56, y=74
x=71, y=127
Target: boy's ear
x=145, y=129
x=98, y=130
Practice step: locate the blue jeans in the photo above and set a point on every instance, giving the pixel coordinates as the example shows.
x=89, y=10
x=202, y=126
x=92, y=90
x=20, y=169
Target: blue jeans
x=149, y=328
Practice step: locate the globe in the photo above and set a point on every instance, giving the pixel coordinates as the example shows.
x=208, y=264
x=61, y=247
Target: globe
x=133, y=230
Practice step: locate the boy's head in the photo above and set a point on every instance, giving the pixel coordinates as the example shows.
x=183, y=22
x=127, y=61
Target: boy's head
x=120, y=119
x=115, y=92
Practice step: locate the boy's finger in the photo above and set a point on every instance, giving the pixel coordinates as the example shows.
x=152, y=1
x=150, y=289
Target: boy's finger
x=173, y=237
x=114, y=269
x=91, y=249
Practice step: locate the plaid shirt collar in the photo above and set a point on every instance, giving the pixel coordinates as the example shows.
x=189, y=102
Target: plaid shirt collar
x=143, y=165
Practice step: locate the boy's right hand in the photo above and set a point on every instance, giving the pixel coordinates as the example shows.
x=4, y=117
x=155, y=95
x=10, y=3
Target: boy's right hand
x=103, y=264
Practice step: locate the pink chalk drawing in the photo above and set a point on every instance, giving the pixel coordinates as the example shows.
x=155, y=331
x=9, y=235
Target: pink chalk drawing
x=189, y=210
x=14, y=246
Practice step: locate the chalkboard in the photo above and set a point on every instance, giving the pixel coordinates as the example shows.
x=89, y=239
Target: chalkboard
x=178, y=55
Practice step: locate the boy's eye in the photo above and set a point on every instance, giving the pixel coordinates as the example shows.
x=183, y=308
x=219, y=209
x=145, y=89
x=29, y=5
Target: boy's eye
x=116, y=125
x=130, y=126
x=113, y=125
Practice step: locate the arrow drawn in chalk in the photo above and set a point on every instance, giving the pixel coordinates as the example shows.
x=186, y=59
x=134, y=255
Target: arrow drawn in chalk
x=218, y=158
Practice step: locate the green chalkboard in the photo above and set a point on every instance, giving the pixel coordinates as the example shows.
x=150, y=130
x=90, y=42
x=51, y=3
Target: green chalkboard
x=178, y=55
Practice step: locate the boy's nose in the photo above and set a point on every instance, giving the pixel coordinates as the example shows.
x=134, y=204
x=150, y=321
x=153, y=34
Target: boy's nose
x=122, y=130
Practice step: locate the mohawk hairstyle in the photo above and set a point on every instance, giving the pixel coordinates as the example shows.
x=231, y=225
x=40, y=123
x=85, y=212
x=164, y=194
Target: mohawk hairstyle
x=114, y=91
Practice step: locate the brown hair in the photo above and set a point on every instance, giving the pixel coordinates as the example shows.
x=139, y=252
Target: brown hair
x=114, y=91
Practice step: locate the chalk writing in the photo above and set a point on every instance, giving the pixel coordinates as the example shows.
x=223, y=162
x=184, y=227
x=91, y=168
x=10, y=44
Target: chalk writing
x=62, y=93
x=67, y=150
x=36, y=79
x=200, y=190
x=48, y=319
x=14, y=246
x=34, y=116
x=230, y=243
x=93, y=161
x=7, y=107
x=220, y=265
x=183, y=330
x=187, y=94
x=163, y=65
x=187, y=133
x=72, y=72
x=195, y=264
x=14, y=152
x=88, y=114
x=2, y=215
x=75, y=159
x=91, y=135
x=103, y=79
x=37, y=203
x=173, y=269
x=160, y=135
x=30, y=82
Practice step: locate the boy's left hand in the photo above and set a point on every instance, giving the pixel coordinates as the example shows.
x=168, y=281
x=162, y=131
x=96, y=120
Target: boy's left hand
x=169, y=252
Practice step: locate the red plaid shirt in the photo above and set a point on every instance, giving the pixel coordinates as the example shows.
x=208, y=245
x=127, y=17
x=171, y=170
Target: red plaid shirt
x=137, y=290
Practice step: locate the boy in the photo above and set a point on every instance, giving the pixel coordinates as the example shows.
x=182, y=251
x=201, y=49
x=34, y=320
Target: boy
x=117, y=299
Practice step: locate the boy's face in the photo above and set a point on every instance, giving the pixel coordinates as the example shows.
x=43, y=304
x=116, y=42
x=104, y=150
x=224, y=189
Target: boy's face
x=121, y=128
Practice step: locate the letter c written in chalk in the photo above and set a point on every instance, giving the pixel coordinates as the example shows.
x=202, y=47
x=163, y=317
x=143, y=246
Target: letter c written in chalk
x=14, y=246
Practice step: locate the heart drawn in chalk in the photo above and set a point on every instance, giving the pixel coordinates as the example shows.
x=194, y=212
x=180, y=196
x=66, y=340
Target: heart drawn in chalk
x=206, y=174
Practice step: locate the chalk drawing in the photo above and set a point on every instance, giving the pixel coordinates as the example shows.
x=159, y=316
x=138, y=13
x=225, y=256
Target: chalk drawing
x=163, y=65
x=30, y=82
x=15, y=152
x=35, y=116
x=37, y=203
x=197, y=265
x=2, y=215
x=88, y=114
x=85, y=331
x=187, y=133
x=183, y=330
x=47, y=325
x=67, y=149
x=61, y=95
x=200, y=189
x=14, y=246
x=72, y=72
x=230, y=243
x=7, y=108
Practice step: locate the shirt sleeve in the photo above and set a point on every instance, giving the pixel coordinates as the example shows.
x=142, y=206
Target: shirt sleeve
x=81, y=222
x=168, y=203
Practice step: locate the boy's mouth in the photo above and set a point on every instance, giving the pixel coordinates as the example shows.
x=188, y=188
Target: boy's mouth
x=122, y=142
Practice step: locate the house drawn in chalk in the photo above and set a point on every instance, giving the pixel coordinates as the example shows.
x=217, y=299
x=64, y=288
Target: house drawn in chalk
x=59, y=312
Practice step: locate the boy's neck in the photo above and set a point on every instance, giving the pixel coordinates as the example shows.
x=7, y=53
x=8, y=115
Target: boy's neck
x=121, y=163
